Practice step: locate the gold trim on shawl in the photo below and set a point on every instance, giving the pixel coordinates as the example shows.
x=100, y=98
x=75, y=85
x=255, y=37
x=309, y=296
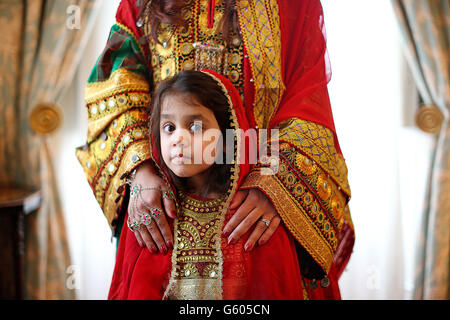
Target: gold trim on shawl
x=122, y=146
x=294, y=217
x=128, y=163
x=107, y=100
x=260, y=26
x=317, y=142
x=120, y=81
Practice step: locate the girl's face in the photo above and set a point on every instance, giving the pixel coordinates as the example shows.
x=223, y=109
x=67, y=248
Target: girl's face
x=189, y=135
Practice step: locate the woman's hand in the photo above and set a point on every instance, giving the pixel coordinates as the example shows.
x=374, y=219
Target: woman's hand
x=252, y=206
x=156, y=236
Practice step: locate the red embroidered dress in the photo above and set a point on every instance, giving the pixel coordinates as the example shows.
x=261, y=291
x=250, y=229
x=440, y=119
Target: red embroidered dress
x=279, y=66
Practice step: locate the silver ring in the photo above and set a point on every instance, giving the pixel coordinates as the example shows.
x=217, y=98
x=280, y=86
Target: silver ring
x=266, y=221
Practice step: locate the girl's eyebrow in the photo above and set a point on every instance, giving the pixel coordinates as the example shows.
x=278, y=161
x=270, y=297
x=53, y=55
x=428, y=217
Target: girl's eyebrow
x=189, y=117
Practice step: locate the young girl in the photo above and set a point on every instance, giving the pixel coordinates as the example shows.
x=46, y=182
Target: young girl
x=188, y=110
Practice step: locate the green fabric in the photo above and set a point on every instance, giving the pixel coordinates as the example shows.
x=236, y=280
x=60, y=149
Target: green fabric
x=122, y=51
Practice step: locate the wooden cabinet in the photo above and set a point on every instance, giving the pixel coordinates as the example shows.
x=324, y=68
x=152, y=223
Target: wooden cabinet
x=15, y=205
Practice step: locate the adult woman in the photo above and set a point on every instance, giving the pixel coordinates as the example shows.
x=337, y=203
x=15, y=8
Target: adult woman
x=274, y=53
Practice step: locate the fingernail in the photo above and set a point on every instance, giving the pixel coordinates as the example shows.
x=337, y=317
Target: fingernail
x=261, y=242
x=169, y=244
x=153, y=249
x=225, y=234
x=164, y=251
x=230, y=241
x=248, y=247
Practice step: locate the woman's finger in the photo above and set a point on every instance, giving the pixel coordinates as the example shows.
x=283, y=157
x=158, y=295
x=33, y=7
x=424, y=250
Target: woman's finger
x=260, y=228
x=139, y=238
x=270, y=231
x=245, y=225
x=158, y=228
x=146, y=238
x=157, y=237
x=170, y=208
x=165, y=230
x=245, y=208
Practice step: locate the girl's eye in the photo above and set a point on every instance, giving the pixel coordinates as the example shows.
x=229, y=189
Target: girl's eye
x=168, y=128
x=196, y=127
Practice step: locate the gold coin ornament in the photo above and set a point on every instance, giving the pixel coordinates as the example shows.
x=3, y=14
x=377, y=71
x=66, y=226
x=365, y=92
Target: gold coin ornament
x=429, y=119
x=45, y=118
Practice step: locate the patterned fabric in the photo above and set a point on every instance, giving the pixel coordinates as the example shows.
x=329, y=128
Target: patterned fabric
x=425, y=28
x=264, y=46
x=311, y=178
x=176, y=51
x=117, y=95
x=38, y=59
x=317, y=142
x=197, y=255
x=122, y=50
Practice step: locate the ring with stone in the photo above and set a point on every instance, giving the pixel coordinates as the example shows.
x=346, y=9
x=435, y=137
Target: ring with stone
x=266, y=221
x=132, y=225
x=168, y=194
x=146, y=219
x=135, y=190
x=156, y=212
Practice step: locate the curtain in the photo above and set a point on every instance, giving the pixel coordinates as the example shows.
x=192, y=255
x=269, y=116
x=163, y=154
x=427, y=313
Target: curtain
x=40, y=47
x=425, y=28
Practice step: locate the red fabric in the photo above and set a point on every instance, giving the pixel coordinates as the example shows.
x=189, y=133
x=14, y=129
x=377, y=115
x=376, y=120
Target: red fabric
x=138, y=274
x=269, y=273
x=211, y=10
x=126, y=15
x=305, y=64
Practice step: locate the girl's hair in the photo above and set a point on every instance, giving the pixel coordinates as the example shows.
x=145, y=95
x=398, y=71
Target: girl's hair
x=170, y=12
x=203, y=90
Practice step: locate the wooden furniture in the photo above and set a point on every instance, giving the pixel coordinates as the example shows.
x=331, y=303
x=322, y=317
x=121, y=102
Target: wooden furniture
x=15, y=205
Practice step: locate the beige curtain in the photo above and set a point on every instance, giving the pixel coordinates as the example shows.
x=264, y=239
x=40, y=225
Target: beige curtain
x=425, y=27
x=40, y=47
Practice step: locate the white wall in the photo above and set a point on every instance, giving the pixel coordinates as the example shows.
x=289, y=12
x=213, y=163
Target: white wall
x=387, y=162
x=92, y=251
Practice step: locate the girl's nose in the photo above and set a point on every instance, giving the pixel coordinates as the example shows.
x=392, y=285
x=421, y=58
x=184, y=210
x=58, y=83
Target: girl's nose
x=178, y=140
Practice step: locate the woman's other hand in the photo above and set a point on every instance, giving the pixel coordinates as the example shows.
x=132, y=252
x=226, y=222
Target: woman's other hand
x=252, y=207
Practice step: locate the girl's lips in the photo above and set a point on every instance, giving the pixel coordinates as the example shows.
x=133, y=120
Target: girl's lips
x=180, y=158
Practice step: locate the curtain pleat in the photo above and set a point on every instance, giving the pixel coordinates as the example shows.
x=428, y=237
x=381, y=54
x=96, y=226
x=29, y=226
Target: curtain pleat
x=39, y=54
x=425, y=27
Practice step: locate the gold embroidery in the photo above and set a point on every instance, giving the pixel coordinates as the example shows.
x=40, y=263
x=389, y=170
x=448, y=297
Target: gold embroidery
x=259, y=21
x=294, y=217
x=177, y=52
x=122, y=146
x=197, y=235
x=120, y=81
x=317, y=142
x=111, y=108
x=309, y=202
